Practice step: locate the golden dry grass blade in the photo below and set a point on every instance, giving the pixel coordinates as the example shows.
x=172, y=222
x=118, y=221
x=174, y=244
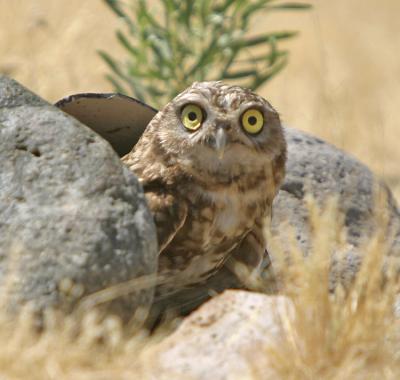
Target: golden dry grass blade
x=351, y=333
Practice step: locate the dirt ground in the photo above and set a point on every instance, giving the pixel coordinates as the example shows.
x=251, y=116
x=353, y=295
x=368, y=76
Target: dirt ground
x=342, y=83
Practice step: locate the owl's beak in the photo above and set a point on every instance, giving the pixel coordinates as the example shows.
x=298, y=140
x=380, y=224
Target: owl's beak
x=220, y=142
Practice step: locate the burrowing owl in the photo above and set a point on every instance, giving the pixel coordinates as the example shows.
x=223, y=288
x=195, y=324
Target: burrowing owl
x=210, y=163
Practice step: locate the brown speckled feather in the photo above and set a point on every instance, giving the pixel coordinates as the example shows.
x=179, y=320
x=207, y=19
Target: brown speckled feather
x=169, y=215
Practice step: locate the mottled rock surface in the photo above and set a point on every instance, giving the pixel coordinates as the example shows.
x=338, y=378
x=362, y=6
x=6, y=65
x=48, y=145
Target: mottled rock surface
x=317, y=168
x=224, y=339
x=69, y=211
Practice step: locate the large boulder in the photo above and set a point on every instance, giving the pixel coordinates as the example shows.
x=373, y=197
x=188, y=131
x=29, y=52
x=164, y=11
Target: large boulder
x=73, y=220
x=318, y=171
x=317, y=168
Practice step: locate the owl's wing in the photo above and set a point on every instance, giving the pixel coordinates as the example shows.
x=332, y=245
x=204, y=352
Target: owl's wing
x=168, y=209
x=117, y=118
x=250, y=261
x=169, y=214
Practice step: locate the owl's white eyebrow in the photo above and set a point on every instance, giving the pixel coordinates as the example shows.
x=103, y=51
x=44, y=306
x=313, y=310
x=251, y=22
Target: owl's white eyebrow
x=256, y=104
x=193, y=99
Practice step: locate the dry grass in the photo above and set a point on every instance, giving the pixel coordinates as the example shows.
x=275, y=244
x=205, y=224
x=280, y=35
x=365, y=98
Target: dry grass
x=350, y=334
x=342, y=84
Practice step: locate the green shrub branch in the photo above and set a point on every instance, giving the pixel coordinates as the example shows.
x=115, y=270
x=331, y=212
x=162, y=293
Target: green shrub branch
x=171, y=43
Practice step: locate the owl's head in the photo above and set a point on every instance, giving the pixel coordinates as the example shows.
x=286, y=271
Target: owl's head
x=216, y=129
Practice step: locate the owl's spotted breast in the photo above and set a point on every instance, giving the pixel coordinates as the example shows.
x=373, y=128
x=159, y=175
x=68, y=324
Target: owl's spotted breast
x=210, y=176
x=217, y=221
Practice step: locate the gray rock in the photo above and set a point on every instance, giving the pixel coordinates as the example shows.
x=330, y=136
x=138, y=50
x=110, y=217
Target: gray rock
x=73, y=220
x=317, y=168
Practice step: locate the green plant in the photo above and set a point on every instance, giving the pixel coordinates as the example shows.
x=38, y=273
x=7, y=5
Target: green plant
x=172, y=43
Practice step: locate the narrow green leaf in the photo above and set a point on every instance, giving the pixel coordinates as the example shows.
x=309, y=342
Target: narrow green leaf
x=168, y=9
x=143, y=12
x=239, y=6
x=291, y=6
x=230, y=61
x=137, y=89
x=129, y=79
x=118, y=87
x=117, y=9
x=169, y=5
x=111, y=62
x=114, y=5
x=263, y=57
x=239, y=74
x=223, y=7
x=154, y=91
x=260, y=79
x=205, y=10
x=187, y=13
x=273, y=56
x=161, y=51
x=204, y=58
x=263, y=39
x=125, y=42
x=254, y=8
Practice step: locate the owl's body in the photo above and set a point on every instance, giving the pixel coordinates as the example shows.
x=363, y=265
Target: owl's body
x=209, y=182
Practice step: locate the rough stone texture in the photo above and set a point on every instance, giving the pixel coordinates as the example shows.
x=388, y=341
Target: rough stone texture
x=221, y=339
x=323, y=171
x=68, y=209
x=317, y=168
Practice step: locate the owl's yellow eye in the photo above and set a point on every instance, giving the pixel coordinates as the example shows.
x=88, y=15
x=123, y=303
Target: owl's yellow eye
x=192, y=117
x=252, y=121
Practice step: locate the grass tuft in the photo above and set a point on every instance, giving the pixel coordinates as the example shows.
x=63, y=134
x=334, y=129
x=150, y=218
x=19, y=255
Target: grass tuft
x=350, y=332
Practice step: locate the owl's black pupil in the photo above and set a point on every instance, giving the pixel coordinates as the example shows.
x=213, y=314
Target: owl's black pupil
x=252, y=120
x=192, y=116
